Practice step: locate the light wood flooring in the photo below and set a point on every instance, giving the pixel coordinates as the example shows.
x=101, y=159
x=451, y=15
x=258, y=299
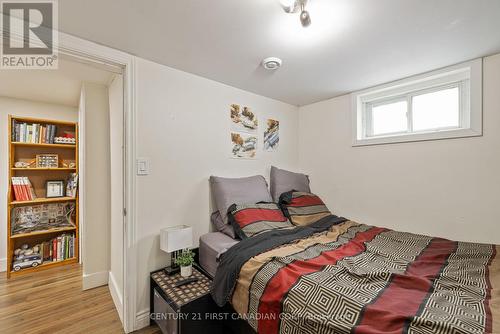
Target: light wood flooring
x=52, y=301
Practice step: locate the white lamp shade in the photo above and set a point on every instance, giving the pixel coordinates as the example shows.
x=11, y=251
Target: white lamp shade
x=176, y=238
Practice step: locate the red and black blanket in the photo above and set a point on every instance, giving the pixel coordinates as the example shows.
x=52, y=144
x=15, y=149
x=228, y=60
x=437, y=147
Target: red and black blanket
x=338, y=276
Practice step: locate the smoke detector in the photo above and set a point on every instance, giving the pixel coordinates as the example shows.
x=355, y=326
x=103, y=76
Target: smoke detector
x=271, y=63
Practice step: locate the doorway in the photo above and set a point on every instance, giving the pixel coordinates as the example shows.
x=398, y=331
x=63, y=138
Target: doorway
x=90, y=93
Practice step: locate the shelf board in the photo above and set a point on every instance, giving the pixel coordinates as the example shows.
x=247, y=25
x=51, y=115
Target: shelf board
x=43, y=121
x=43, y=266
x=52, y=230
x=44, y=169
x=43, y=201
x=72, y=146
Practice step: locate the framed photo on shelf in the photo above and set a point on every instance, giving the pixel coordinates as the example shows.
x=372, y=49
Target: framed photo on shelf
x=55, y=189
x=47, y=161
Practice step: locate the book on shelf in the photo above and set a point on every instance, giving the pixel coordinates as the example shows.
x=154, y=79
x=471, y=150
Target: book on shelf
x=46, y=249
x=34, y=133
x=59, y=248
x=54, y=250
x=23, y=190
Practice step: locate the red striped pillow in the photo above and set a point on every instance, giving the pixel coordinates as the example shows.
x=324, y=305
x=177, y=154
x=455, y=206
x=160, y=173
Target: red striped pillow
x=252, y=219
x=303, y=208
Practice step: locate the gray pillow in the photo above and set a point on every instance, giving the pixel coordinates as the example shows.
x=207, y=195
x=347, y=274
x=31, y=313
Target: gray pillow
x=283, y=181
x=245, y=190
x=220, y=226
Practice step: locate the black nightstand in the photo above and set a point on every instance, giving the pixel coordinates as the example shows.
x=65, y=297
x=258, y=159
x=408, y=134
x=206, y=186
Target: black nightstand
x=186, y=309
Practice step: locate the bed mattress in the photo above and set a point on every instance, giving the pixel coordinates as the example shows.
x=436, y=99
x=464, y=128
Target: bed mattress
x=213, y=245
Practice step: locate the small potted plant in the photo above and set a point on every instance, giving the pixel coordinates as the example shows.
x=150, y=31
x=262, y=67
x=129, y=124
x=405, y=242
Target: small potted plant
x=185, y=260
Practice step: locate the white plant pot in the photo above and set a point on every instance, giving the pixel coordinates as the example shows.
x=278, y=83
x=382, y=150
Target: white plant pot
x=186, y=271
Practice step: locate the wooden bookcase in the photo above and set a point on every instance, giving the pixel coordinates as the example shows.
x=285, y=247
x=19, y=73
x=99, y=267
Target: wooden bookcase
x=38, y=177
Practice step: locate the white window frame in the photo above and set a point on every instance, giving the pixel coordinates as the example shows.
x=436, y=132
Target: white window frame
x=467, y=77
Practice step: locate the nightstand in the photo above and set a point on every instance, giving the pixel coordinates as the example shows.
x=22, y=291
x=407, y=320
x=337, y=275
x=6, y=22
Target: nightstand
x=186, y=309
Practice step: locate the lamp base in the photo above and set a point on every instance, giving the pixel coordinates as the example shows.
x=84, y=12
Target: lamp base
x=172, y=270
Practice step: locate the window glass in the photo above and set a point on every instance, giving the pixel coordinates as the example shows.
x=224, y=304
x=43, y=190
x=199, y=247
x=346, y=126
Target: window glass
x=436, y=110
x=389, y=118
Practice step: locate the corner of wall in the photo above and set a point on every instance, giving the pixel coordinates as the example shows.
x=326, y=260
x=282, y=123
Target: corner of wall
x=3, y=264
x=116, y=295
x=298, y=132
x=95, y=280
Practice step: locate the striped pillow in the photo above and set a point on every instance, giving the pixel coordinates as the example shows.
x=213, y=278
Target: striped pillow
x=249, y=220
x=303, y=208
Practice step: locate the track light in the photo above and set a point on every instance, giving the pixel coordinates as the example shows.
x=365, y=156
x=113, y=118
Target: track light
x=293, y=6
x=305, y=18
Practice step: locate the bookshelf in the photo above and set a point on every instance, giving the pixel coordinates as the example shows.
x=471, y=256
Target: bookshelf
x=53, y=210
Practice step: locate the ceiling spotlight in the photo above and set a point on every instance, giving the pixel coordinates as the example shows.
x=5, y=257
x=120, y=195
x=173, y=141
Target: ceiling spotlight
x=305, y=18
x=271, y=63
x=293, y=6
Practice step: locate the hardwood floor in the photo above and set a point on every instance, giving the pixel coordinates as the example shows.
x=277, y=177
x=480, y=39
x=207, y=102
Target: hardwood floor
x=52, y=301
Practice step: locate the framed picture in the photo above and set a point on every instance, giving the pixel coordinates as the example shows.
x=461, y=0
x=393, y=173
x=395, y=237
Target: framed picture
x=47, y=161
x=55, y=189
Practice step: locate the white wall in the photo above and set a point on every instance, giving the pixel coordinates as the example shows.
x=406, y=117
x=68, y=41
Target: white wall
x=17, y=107
x=96, y=226
x=183, y=128
x=448, y=188
x=116, y=167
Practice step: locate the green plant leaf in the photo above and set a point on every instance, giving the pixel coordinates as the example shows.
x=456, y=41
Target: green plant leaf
x=186, y=258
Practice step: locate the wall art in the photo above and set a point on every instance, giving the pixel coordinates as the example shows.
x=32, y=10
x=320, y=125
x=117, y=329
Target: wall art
x=244, y=145
x=243, y=119
x=272, y=135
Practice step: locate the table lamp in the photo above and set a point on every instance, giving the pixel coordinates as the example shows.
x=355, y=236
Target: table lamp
x=173, y=240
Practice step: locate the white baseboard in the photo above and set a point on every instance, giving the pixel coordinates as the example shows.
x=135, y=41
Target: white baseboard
x=116, y=294
x=94, y=280
x=3, y=264
x=142, y=319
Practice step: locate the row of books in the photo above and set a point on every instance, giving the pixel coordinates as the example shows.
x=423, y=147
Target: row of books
x=23, y=190
x=59, y=248
x=33, y=133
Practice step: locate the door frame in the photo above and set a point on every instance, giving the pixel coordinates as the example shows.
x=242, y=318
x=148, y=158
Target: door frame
x=100, y=55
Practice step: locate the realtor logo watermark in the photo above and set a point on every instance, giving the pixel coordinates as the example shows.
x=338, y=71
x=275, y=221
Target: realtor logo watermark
x=29, y=35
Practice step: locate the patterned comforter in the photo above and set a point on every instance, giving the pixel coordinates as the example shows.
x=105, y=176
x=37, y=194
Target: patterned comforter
x=338, y=276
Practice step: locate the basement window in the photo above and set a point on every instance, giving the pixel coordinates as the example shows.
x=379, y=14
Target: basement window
x=443, y=104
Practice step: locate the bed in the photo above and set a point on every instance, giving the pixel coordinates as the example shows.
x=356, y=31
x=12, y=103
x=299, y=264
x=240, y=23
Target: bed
x=338, y=276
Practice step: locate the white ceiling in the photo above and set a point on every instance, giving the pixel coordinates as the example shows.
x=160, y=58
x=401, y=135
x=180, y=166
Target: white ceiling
x=351, y=44
x=61, y=86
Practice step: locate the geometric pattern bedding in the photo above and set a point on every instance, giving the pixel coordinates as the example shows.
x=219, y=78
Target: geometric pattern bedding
x=357, y=278
x=303, y=208
x=249, y=220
